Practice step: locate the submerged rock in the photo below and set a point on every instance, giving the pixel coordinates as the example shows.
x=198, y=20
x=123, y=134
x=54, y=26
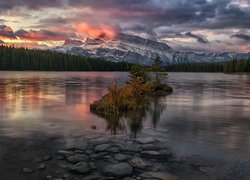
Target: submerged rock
x=27, y=171
x=121, y=157
x=77, y=158
x=118, y=170
x=139, y=163
x=158, y=175
x=102, y=147
x=41, y=166
x=79, y=168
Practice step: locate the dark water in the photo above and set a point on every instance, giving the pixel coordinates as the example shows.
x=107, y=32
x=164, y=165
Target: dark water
x=208, y=114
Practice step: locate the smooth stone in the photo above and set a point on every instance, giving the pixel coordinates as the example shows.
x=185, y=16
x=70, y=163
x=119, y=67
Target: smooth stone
x=77, y=158
x=158, y=175
x=139, y=163
x=27, y=171
x=113, y=150
x=89, y=152
x=131, y=148
x=145, y=140
x=102, y=147
x=151, y=154
x=98, y=155
x=65, y=153
x=46, y=158
x=118, y=170
x=64, y=166
x=41, y=166
x=49, y=177
x=121, y=157
x=79, y=168
x=202, y=169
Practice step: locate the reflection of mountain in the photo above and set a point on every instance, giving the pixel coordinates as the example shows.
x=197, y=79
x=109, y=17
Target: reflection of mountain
x=73, y=94
x=150, y=108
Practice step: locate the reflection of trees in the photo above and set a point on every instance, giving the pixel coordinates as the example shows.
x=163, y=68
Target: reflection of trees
x=151, y=107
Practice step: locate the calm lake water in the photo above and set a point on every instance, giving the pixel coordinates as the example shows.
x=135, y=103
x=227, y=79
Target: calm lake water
x=208, y=114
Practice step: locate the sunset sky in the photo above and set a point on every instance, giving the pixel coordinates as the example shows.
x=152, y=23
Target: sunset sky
x=185, y=25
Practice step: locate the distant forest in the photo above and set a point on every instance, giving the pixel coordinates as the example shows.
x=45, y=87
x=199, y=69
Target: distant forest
x=235, y=66
x=22, y=59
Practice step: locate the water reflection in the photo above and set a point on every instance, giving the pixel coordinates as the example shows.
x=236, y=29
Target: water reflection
x=131, y=122
x=206, y=114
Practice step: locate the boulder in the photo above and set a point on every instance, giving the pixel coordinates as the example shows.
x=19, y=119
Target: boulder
x=77, y=158
x=118, y=170
x=79, y=168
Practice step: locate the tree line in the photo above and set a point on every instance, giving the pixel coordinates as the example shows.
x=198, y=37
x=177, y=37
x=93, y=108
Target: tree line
x=235, y=66
x=22, y=59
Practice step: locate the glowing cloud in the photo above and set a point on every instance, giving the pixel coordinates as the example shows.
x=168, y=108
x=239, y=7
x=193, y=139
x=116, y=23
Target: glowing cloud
x=95, y=31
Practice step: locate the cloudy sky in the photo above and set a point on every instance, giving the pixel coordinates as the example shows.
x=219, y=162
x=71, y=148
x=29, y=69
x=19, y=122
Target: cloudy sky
x=186, y=25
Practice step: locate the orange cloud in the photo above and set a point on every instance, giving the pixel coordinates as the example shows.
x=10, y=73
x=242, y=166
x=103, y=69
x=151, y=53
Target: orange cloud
x=95, y=31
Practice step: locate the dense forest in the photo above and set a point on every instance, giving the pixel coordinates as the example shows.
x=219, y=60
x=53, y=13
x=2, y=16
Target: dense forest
x=22, y=59
x=235, y=66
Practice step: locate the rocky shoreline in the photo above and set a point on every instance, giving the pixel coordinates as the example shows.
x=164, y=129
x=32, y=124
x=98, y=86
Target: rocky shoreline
x=103, y=157
x=109, y=158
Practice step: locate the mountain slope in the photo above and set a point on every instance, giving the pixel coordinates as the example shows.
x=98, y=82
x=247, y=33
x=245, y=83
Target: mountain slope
x=134, y=49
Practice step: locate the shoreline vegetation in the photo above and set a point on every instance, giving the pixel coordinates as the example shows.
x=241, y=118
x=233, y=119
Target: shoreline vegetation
x=229, y=67
x=143, y=82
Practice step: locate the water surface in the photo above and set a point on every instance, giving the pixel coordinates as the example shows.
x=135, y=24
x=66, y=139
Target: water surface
x=208, y=114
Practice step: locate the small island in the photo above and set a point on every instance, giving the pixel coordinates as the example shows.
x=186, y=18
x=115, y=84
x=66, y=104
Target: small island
x=143, y=82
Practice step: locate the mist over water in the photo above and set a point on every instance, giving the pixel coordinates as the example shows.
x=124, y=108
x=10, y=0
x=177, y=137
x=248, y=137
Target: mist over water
x=207, y=114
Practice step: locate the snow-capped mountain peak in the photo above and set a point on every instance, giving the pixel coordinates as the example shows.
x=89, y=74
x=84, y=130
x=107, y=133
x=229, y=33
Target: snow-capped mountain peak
x=134, y=49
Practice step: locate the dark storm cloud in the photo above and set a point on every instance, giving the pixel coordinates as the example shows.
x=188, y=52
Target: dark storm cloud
x=242, y=36
x=6, y=32
x=155, y=19
x=30, y=4
x=198, y=38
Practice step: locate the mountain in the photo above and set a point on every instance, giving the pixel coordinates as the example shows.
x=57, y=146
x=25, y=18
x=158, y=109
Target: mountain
x=137, y=50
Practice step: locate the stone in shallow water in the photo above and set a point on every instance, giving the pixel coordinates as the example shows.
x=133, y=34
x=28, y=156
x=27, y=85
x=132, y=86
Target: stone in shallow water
x=79, y=168
x=41, y=166
x=46, y=158
x=158, y=175
x=65, y=153
x=77, y=158
x=121, y=157
x=98, y=156
x=145, y=140
x=131, y=147
x=118, y=170
x=151, y=154
x=113, y=150
x=139, y=163
x=102, y=147
x=27, y=171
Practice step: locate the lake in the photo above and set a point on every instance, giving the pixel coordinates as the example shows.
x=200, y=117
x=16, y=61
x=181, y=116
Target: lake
x=208, y=114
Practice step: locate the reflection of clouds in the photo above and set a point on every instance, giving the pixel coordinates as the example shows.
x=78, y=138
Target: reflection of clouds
x=214, y=114
x=32, y=101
